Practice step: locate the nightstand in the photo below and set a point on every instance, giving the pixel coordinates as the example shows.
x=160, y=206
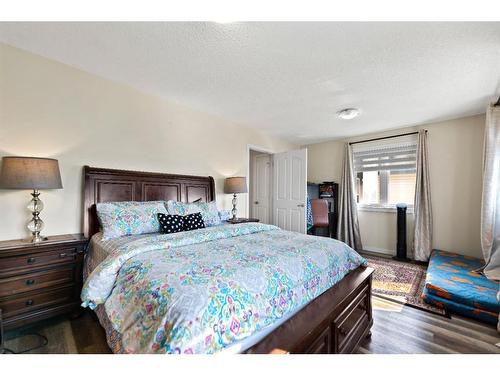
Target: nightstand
x=240, y=220
x=40, y=280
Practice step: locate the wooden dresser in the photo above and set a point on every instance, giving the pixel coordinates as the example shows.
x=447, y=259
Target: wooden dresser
x=241, y=220
x=40, y=280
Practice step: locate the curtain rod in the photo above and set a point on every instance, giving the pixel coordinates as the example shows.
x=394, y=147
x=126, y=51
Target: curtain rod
x=389, y=136
x=497, y=104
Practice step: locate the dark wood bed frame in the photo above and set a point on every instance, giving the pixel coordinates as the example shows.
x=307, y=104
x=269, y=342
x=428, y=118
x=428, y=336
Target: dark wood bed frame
x=334, y=322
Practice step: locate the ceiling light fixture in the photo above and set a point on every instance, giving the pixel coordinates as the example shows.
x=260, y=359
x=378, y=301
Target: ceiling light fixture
x=348, y=113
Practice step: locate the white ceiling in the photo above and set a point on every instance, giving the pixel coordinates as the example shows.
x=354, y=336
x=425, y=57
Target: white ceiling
x=289, y=79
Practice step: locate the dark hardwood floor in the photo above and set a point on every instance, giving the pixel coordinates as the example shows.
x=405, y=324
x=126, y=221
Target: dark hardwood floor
x=397, y=329
x=82, y=335
x=400, y=329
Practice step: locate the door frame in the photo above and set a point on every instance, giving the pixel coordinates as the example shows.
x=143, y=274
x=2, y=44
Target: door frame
x=251, y=147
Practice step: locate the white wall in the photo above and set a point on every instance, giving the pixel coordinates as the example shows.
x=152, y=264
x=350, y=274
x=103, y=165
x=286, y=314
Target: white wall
x=455, y=161
x=53, y=110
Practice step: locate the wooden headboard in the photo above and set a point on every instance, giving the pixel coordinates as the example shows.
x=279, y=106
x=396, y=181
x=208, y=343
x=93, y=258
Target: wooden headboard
x=113, y=185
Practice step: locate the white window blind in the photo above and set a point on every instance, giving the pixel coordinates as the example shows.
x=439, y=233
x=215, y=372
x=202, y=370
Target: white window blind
x=395, y=154
x=385, y=171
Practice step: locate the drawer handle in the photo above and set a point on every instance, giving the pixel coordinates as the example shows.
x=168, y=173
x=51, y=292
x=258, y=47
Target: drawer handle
x=31, y=260
x=64, y=255
x=30, y=282
x=29, y=302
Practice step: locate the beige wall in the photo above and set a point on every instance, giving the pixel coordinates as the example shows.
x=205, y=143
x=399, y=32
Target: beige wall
x=53, y=110
x=455, y=154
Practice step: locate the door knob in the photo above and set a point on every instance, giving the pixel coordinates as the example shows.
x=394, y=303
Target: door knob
x=256, y=202
x=300, y=205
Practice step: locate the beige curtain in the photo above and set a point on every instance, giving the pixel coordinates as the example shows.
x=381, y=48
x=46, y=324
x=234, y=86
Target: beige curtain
x=422, y=239
x=348, y=226
x=490, y=207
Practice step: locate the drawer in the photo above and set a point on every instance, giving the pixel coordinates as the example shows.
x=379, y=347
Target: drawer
x=36, y=280
x=9, y=265
x=321, y=345
x=352, y=322
x=33, y=301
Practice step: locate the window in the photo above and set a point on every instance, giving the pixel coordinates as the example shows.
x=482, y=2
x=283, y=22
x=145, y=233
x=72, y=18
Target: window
x=385, y=172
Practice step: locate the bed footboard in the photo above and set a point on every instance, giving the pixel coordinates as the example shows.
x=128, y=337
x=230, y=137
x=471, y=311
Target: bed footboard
x=334, y=322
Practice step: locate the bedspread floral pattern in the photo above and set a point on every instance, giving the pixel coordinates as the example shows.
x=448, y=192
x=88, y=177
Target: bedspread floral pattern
x=229, y=283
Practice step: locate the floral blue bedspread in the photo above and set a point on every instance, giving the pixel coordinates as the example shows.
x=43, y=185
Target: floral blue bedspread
x=201, y=291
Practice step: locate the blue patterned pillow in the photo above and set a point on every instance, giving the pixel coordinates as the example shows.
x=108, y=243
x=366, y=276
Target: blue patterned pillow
x=225, y=215
x=208, y=211
x=126, y=218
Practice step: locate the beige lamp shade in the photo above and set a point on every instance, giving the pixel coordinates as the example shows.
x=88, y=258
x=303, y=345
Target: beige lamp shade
x=235, y=185
x=29, y=173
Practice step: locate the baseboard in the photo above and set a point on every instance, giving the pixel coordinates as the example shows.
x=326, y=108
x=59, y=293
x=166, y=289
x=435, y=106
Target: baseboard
x=377, y=250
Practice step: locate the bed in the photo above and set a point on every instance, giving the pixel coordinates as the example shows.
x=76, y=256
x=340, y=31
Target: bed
x=245, y=288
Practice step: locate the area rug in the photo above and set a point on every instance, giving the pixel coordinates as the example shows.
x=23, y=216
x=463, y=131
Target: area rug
x=401, y=282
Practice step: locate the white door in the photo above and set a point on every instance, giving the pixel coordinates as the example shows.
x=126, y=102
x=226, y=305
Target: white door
x=261, y=188
x=289, y=190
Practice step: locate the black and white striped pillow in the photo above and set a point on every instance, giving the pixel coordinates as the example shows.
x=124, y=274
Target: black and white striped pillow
x=193, y=221
x=171, y=223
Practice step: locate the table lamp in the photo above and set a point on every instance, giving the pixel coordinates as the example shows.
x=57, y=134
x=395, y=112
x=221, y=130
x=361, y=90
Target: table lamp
x=235, y=185
x=28, y=173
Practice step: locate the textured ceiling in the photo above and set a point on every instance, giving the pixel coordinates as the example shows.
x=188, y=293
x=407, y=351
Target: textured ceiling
x=289, y=79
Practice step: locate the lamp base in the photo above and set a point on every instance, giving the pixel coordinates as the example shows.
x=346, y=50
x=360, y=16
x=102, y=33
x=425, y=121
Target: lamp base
x=36, y=225
x=37, y=238
x=234, y=211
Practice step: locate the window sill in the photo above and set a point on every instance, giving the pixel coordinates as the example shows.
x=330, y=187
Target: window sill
x=376, y=208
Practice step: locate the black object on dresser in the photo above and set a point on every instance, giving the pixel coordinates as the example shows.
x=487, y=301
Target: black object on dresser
x=240, y=220
x=40, y=280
